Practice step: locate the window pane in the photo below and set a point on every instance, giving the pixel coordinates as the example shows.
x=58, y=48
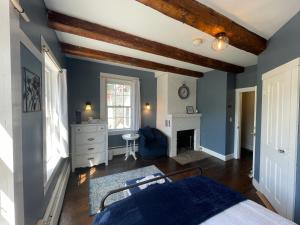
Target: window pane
x=118, y=96
x=119, y=100
x=111, y=124
x=111, y=112
x=119, y=89
x=111, y=100
x=127, y=122
x=127, y=112
x=119, y=112
x=119, y=123
x=127, y=100
x=127, y=90
x=110, y=89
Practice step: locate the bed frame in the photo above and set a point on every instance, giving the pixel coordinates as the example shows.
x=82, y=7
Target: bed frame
x=102, y=206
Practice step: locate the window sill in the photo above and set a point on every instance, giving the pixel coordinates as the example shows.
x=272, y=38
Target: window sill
x=119, y=132
x=47, y=183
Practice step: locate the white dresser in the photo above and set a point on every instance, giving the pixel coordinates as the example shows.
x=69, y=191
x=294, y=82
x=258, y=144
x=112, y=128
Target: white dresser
x=89, y=144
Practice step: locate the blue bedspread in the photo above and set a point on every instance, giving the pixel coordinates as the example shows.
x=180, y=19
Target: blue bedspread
x=186, y=202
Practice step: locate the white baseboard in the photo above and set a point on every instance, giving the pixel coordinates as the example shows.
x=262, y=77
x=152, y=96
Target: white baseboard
x=120, y=150
x=228, y=157
x=55, y=204
x=217, y=155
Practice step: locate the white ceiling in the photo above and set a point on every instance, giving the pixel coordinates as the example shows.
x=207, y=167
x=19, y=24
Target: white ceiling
x=263, y=17
x=134, y=18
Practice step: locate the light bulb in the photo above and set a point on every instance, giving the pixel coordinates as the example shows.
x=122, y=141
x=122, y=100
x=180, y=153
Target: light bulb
x=88, y=107
x=220, y=42
x=148, y=106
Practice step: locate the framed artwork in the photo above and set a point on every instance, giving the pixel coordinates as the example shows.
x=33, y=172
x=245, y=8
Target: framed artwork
x=31, y=91
x=190, y=110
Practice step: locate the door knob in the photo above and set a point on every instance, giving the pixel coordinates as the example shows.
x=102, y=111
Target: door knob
x=281, y=150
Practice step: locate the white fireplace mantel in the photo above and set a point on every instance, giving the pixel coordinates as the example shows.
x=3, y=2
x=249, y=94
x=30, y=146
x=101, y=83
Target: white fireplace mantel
x=185, y=115
x=180, y=122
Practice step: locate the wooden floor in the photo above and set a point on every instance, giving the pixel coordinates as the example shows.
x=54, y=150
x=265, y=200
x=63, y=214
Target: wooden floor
x=233, y=173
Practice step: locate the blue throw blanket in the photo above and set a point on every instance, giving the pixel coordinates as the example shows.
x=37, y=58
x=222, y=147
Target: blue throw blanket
x=186, y=202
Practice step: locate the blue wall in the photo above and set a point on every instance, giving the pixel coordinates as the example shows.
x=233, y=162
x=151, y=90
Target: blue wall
x=84, y=85
x=32, y=145
x=282, y=47
x=211, y=103
x=37, y=27
x=216, y=103
x=35, y=201
x=247, y=78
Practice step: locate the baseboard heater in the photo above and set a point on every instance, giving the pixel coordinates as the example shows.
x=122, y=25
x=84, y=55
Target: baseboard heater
x=53, y=210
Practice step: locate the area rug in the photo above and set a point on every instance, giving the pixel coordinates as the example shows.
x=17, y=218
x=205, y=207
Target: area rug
x=190, y=156
x=98, y=187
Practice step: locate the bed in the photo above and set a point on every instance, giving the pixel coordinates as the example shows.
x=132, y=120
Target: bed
x=191, y=201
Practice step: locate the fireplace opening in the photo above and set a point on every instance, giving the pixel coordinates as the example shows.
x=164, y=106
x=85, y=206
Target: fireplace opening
x=185, y=141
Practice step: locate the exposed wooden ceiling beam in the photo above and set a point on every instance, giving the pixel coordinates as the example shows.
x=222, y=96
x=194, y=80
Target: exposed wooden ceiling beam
x=105, y=56
x=201, y=17
x=87, y=29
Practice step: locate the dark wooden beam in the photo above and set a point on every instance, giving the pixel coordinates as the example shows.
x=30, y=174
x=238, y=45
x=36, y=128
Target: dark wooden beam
x=201, y=17
x=87, y=29
x=106, y=56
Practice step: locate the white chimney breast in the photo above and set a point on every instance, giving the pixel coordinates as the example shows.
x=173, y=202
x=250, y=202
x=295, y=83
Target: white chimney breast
x=171, y=109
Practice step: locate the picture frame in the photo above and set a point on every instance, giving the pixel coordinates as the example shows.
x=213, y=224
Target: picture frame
x=31, y=91
x=190, y=110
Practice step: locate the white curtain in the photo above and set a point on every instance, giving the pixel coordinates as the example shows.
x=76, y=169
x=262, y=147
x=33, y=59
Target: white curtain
x=56, y=116
x=62, y=111
x=136, y=119
x=103, y=103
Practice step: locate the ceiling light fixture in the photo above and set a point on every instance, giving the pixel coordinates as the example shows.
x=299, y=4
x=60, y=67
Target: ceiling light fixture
x=198, y=41
x=221, y=42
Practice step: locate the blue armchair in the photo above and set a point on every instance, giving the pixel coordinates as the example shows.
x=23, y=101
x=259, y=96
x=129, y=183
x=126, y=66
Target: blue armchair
x=152, y=143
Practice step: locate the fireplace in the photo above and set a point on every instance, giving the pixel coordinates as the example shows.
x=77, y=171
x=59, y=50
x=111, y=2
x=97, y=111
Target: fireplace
x=185, y=140
x=175, y=124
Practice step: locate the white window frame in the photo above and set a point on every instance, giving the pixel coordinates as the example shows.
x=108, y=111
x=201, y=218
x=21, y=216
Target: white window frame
x=103, y=98
x=47, y=182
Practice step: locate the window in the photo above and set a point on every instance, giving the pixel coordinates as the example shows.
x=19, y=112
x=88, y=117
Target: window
x=119, y=105
x=52, y=156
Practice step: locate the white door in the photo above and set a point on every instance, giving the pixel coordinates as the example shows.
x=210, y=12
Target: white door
x=277, y=139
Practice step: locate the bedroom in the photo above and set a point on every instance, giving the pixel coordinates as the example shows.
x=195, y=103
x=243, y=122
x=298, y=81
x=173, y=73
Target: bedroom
x=178, y=68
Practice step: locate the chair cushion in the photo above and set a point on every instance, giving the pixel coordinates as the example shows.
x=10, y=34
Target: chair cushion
x=147, y=132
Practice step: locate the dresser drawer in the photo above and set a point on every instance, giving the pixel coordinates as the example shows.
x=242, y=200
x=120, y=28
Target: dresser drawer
x=89, y=160
x=89, y=138
x=90, y=129
x=87, y=149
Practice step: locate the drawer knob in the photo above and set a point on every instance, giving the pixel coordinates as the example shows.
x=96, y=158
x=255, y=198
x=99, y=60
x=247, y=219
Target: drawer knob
x=91, y=149
x=91, y=139
x=90, y=158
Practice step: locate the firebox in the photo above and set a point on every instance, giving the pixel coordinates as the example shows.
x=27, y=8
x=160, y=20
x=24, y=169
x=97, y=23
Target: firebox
x=185, y=140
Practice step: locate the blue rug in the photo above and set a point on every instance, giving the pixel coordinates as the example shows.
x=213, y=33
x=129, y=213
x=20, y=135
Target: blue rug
x=98, y=187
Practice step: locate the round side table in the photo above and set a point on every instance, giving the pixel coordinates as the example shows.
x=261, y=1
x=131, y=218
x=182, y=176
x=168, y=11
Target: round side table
x=130, y=150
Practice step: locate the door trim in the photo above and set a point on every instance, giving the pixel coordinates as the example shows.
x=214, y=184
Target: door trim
x=294, y=66
x=237, y=131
